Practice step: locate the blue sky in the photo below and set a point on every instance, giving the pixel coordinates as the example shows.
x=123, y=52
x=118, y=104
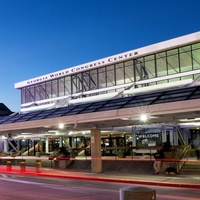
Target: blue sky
x=38, y=37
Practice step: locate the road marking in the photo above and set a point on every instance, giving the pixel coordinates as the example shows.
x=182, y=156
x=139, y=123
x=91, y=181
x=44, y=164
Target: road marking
x=4, y=175
x=19, y=181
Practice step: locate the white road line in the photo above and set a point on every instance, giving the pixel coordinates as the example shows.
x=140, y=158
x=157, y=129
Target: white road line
x=4, y=175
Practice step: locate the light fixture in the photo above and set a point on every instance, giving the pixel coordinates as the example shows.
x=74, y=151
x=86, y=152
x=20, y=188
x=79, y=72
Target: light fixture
x=190, y=119
x=70, y=133
x=61, y=126
x=143, y=118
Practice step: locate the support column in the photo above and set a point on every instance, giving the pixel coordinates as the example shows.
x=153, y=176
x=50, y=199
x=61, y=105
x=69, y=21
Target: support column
x=171, y=137
x=47, y=144
x=134, y=138
x=60, y=141
x=186, y=135
x=164, y=134
x=72, y=142
x=175, y=131
x=5, y=145
x=34, y=148
x=96, y=162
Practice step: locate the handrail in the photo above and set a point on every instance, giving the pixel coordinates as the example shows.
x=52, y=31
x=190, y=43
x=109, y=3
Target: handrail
x=149, y=150
x=184, y=153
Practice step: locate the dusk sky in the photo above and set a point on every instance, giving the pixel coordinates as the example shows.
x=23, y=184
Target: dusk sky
x=38, y=37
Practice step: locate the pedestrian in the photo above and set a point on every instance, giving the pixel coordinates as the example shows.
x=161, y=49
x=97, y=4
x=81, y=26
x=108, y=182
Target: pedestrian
x=159, y=156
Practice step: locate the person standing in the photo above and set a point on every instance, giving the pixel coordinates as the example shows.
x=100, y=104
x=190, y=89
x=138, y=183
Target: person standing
x=159, y=156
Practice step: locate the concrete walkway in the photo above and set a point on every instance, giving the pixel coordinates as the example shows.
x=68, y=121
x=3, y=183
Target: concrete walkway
x=181, y=181
x=155, y=180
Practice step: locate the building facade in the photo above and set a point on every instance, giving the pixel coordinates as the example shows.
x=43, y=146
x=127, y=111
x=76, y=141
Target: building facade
x=171, y=63
x=166, y=65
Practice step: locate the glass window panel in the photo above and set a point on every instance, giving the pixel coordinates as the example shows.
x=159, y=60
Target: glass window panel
x=196, y=76
x=149, y=58
x=120, y=75
x=173, y=64
x=48, y=90
x=185, y=62
x=77, y=83
x=196, y=59
x=139, y=69
x=102, y=77
x=185, y=49
x=150, y=67
x=68, y=89
x=94, y=79
x=110, y=76
x=161, y=64
x=174, y=79
x=86, y=81
x=196, y=46
x=187, y=77
x=129, y=71
x=40, y=92
x=61, y=85
x=172, y=52
x=54, y=88
x=23, y=99
x=30, y=94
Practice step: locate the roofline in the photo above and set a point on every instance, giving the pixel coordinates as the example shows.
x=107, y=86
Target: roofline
x=161, y=46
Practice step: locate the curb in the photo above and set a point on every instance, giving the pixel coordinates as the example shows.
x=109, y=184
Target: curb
x=102, y=179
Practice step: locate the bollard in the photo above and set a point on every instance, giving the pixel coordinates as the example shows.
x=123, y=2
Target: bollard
x=38, y=166
x=137, y=193
x=23, y=165
x=9, y=165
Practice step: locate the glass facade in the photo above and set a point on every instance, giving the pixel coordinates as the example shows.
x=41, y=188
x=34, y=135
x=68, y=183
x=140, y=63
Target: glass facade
x=161, y=64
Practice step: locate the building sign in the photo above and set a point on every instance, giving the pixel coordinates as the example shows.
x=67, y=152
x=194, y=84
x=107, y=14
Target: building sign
x=114, y=59
x=92, y=139
x=148, y=139
x=79, y=68
x=148, y=136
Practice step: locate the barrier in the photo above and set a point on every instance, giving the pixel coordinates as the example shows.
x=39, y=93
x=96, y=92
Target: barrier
x=9, y=165
x=38, y=166
x=137, y=193
x=23, y=165
x=62, y=162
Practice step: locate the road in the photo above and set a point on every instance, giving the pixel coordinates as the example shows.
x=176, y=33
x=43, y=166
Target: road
x=34, y=188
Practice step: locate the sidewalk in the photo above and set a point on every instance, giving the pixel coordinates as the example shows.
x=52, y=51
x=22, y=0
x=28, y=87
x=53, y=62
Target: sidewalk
x=180, y=181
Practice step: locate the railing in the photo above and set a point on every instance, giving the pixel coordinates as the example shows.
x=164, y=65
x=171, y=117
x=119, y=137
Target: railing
x=185, y=153
x=132, y=152
x=126, y=152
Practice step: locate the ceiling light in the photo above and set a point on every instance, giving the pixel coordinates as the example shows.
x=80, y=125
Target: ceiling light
x=143, y=118
x=61, y=126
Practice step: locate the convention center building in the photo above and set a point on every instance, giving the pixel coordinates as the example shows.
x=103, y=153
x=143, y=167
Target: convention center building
x=141, y=97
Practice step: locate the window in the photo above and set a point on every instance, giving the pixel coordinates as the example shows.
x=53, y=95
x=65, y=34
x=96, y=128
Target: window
x=173, y=62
